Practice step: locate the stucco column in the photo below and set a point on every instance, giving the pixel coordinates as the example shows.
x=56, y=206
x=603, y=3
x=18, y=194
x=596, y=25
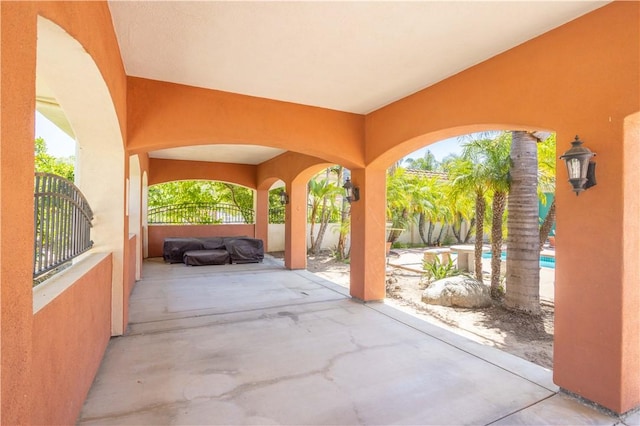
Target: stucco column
x=16, y=212
x=368, y=235
x=262, y=217
x=597, y=296
x=295, y=239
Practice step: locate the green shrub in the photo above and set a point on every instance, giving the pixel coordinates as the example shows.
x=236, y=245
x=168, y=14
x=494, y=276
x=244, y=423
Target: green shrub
x=437, y=269
x=399, y=245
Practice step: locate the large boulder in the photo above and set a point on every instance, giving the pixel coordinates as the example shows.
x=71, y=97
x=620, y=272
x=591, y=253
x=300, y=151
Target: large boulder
x=460, y=291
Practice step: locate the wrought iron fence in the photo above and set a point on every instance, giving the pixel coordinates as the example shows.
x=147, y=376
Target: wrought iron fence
x=62, y=219
x=276, y=214
x=199, y=214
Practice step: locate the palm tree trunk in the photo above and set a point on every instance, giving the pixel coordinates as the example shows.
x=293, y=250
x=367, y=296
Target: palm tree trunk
x=343, y=218
x=549, y=220
x=523, y=270
x=395, y=233
x=480, y=208
x=430, y=234
x=421, y=222
x=499, y=200
x=312, y=226
x=456, y=232
x=468, y=236
x=321, y=231
x=441, y=233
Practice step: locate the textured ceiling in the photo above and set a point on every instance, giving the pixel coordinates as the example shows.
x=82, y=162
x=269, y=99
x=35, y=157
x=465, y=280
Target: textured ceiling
x=241, y=154
x=354, y=56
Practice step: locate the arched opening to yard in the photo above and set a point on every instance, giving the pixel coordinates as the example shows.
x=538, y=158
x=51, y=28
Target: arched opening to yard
x=73, y=78
x=435, y=210
x=198, y=208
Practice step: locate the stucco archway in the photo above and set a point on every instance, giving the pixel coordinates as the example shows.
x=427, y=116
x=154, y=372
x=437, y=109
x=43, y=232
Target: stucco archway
x=71, y=73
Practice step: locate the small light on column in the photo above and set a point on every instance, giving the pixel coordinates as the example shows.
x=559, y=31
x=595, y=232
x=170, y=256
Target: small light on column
x=580, y=168
x=352, y=193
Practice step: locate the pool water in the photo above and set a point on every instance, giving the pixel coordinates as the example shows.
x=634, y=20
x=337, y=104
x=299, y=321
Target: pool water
x=545, y=261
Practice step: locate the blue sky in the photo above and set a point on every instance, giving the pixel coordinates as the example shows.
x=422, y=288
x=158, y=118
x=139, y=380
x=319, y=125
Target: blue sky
x=59, y=144
x=439, y=149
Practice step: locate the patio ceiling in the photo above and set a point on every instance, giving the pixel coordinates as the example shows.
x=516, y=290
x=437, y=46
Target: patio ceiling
x=353, y=56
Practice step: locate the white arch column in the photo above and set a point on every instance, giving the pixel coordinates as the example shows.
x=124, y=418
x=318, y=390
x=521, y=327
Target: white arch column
x=134, y=210
x=145, y=209
x=72, y=75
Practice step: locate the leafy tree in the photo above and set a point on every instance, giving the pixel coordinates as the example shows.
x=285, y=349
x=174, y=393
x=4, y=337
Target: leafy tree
x=239, y=196
x=276, y=209
x=47, y=163
x=202, y=192
x=183, y=192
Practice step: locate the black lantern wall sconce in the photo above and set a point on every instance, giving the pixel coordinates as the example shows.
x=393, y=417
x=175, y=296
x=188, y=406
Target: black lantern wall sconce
x=284, y=197
x=581, y=170
x=352, y=192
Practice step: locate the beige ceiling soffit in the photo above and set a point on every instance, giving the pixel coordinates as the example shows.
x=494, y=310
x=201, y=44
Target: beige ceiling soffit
x=50, y=108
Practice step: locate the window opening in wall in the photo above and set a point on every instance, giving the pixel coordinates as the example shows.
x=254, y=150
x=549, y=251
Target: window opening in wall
x=193, y=202
x=60, y=210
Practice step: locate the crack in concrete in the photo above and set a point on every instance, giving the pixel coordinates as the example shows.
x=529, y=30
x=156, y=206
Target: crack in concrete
x=143, y=410
x=215, y=322
x=324, y=372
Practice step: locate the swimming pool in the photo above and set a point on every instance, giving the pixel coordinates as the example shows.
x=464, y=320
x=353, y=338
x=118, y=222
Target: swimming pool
x=545, y=261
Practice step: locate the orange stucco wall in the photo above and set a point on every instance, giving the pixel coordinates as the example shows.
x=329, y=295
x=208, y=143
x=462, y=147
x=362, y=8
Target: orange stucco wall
x=169, y=170
x=165, y=115
x=631, y=252
x=295, y=170
x=90, y=23
x=290, y=166
x=581, y=78
x=130, y=281
x=157, y=233
x=16, y=211
x=368, y=221
x=584, y=69
x=70, y=335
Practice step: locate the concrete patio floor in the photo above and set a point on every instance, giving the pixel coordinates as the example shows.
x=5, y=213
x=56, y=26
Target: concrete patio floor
x=257, y=344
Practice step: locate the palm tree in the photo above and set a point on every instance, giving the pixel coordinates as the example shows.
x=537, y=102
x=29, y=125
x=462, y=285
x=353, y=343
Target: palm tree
x=322, y=196
x=442, y=211
x=459, y=202
x=345, y=216
x=523, y=270
x=399, y=201
x=423, y=195
x=496, y=159
x=468, y=175
x=547, y=182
